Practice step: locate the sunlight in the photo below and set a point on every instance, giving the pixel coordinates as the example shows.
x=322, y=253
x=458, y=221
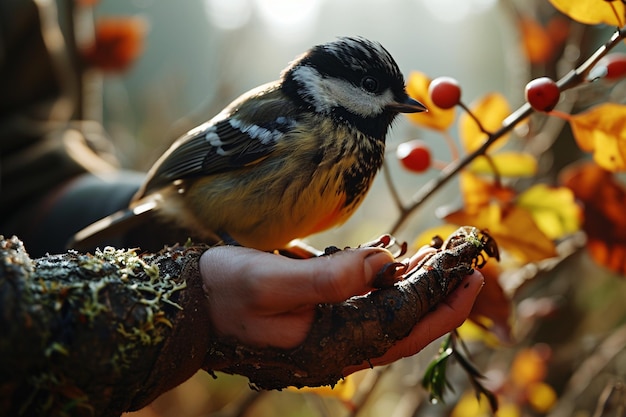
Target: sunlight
x=289, y=18
x=454, y=10
x=228, y=14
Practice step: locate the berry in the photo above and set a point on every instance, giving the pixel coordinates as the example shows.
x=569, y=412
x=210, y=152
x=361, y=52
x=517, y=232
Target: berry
x=615, y=65
x=414, y=155
x=542, y=94
x=445, y=92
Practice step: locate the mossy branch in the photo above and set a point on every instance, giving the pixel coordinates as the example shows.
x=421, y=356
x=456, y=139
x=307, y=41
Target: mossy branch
x=97, y=335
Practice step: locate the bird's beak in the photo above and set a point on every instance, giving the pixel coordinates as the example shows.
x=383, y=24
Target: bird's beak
x=409, y=105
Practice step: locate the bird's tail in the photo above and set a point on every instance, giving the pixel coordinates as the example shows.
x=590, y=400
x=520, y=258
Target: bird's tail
x=106, y=230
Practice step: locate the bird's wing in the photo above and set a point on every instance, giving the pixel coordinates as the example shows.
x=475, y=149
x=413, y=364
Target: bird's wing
x=244, y=133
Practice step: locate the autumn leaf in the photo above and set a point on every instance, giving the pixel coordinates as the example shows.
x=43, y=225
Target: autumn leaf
x=491, y=110
x=492, y=308
x=538, y=42
x=554, y=209
x=425, y=238
x=592, y=12
x=507, y=164
x=436, y=117
x=478, y=193
x=512, y=227
x=604, y=199
x=602, y=130
x=527, y=373
x=343, y=390
x=117, y=44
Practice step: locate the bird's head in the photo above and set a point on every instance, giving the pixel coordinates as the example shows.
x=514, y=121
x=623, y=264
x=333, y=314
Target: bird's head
x=354, y=80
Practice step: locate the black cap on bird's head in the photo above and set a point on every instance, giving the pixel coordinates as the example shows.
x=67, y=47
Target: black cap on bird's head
x=353, y=79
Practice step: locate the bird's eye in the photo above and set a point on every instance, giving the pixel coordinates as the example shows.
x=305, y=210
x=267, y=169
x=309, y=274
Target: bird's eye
x=369, y=84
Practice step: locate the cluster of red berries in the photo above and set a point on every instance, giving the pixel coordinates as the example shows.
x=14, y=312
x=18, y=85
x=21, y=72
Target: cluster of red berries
x=542, y=94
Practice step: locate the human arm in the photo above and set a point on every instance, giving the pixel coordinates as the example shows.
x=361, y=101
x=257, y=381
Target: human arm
x=74, y=326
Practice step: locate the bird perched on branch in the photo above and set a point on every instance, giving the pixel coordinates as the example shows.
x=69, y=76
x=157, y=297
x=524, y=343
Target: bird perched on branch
x=285, y=160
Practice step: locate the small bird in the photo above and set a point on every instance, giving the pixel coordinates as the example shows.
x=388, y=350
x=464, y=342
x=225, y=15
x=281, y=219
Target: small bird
x=283, y=161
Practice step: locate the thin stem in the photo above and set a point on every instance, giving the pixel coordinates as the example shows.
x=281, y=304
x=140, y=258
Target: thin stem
x=454, y=150
x=497, y=178
x=392, y=189
x=570, y=80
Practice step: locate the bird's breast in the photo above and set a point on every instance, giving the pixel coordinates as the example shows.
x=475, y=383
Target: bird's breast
x=306, y=186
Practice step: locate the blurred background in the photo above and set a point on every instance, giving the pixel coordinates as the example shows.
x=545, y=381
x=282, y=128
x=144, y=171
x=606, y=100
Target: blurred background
x=184, y=60
x=200, y=55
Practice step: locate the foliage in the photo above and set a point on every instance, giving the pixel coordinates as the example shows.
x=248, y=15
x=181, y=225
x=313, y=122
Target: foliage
x=542, y=215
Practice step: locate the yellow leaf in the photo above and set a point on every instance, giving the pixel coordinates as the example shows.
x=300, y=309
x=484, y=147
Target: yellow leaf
x=529, y=366
x=472, y=332
x=554, y=209
x=508, y=164
x=469, y=406
x=491, y=110
x=478, y=193
x=435, y=118
x=443, y=231
x=602, y=130
x=513, y=228
x=541, y=396
x=592, y=12
x=344, y=389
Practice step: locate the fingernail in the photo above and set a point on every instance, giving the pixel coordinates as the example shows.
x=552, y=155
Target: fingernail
x=375, y=259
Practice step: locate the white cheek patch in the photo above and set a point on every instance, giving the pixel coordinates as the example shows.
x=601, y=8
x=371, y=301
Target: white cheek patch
x=356, y=100
x=326, y=93
x=313, y=89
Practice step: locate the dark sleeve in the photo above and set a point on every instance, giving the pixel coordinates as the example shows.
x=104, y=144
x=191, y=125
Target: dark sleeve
x=56, y=172
x=97, y=335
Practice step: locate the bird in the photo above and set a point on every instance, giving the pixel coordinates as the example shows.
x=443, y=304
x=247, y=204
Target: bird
x=285, y=160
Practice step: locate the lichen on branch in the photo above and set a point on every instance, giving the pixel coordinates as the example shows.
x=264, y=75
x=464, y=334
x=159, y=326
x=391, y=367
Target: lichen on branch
x=86, y=334
x=97, y=335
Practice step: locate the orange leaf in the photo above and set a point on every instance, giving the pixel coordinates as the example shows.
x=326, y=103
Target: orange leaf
x=536, y=40
x=602, y=130
x=513, y=228
x=436, y=117
x=118, y=42
x=530, y=365
x=491, y=110
x=443, y=231
x=592, y=12
x=493, y=304
x=604, y=199
x=478, y=193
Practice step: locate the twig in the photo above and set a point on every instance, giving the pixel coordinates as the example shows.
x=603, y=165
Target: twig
x=570, y=80
x=591, y=367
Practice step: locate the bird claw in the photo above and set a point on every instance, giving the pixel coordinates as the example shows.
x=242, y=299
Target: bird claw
x=389, y=274
x=388, y=242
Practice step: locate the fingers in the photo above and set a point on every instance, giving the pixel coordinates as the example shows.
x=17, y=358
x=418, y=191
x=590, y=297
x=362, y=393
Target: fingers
x=265, y=299
x=448, y=315
x=277, y=284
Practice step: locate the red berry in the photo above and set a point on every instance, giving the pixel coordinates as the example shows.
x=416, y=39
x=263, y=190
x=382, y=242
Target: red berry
x=445, y=92
x=542, y=94
x=414, y=155
x=615, y=65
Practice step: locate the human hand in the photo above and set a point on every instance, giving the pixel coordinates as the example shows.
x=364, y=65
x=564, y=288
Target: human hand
x=263, y=299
